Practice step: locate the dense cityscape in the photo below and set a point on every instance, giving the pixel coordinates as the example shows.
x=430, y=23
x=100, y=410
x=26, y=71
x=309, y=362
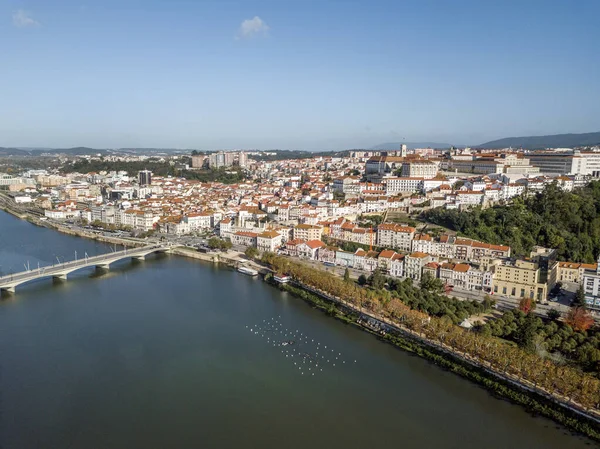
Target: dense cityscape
x=300, y=224
x=360, y=209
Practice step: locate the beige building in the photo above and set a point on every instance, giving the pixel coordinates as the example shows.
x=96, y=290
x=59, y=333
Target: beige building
x=573, y=272
x=390, y=235
x=307, y=232
x=198, y=161
x=520, y=279
x=419, y=169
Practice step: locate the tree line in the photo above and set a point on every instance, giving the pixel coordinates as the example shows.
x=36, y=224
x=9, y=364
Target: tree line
x=225, y=175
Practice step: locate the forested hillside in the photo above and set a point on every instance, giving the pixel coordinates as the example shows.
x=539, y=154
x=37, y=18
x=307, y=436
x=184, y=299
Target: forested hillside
x=226, y=175
x=568, y=221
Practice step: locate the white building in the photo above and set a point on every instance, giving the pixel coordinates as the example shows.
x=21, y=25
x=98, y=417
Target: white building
x=268, y=241
x=414, y=263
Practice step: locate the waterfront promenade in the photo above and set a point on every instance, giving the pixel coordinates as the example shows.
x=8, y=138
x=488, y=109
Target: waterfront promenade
x=60, y=270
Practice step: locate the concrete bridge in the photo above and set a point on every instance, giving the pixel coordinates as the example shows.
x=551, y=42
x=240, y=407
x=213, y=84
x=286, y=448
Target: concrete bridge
x=60, y=270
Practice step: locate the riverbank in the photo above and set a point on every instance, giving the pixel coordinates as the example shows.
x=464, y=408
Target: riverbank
x=36, y=220
x=498, y=385
x=231, y=259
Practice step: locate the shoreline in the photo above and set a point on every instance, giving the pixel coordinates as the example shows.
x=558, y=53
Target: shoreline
x=501, y=387
x=30, y=218
x=497, y=385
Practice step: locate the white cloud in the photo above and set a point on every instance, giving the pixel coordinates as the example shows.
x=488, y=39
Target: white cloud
x=252, y=27
x=23, y=19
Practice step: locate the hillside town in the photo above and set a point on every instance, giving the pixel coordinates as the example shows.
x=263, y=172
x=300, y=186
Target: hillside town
x=358, y=210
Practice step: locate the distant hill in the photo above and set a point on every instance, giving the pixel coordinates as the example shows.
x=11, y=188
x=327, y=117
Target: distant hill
x=540, y=142
x=13, y=152
x=79, y=151
x=413, y=145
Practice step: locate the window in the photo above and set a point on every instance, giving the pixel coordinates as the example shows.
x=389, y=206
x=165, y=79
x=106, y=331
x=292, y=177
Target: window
x=514, y=291
x=504, y=290
x=522, y=292
x=495, y=289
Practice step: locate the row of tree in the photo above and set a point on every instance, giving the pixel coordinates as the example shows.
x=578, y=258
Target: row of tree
x=554, y=218
x=499, y=355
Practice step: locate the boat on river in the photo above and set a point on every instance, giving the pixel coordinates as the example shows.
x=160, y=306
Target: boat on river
x=248, y=271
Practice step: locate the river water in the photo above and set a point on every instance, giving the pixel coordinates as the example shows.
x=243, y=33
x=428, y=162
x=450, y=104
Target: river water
x=175, y=353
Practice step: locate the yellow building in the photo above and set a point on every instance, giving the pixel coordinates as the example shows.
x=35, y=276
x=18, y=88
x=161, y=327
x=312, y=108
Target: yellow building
x=520, y=279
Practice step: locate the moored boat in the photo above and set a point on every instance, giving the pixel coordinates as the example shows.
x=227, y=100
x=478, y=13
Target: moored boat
x=247, y=271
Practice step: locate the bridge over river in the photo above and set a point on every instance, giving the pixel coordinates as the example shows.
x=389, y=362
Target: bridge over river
x=60, y=270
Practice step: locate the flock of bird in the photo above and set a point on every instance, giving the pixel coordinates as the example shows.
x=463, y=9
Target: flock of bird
x=308, y=355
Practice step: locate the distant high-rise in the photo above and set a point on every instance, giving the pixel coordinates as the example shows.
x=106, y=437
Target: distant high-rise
x=229, y=158
x=217, y=160
x=198, y=161
x=243, y=159
x=145, y=177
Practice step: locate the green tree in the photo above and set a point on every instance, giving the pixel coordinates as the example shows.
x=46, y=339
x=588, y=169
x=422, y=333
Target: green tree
x=377, y=280
x=553, y=314
x=579, y=300
x=347, y=274
x=488, y=303
x=526, y=336
x=362, y=280
x=431, y=284
x=251, y=252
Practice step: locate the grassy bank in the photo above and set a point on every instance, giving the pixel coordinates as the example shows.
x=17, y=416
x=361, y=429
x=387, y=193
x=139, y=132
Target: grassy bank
x=533, y=402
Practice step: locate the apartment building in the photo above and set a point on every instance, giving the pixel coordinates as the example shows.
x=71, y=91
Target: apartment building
x=591, y=287
x=307, y=232
x=391, y=235
x=394, y=186
x=414, y=263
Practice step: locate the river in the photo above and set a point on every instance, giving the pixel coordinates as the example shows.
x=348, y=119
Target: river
x=172, y=352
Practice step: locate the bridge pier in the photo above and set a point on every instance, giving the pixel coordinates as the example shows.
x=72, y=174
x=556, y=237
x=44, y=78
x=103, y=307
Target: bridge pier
x=60, y=271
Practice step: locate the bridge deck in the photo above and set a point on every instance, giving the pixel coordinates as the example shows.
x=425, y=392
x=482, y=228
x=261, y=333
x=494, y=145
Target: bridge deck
x=61, y=270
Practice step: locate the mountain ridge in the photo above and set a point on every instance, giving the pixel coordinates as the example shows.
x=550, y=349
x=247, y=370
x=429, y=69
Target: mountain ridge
x=548, y=141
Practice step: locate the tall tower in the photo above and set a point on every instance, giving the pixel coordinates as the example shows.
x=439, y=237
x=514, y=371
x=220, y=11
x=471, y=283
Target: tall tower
x=403, y=150
x=243, y=159
x=144, y=177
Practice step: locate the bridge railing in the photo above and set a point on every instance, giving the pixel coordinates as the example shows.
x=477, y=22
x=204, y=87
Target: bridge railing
x=58, y=267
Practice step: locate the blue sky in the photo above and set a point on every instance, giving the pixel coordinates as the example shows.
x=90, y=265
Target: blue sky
x=294, y=74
